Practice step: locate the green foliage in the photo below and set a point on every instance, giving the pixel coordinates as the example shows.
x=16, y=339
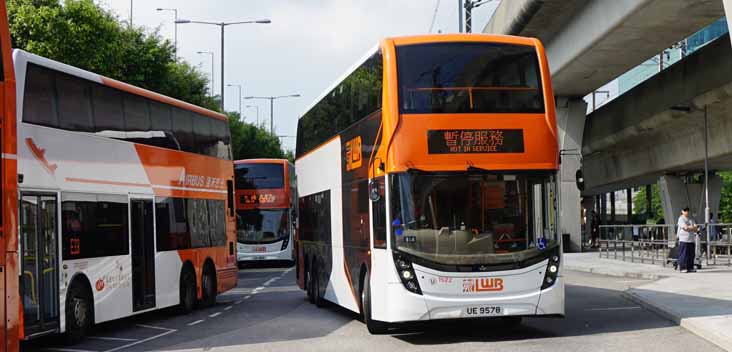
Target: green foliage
x=725, y=202
x=250, y=141
x=639, y=203
x=82, y=34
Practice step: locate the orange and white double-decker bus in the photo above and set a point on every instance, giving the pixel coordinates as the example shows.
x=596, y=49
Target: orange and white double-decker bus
x=125, y=201
x=266, y=215
x=9, y=267
x=427, y=182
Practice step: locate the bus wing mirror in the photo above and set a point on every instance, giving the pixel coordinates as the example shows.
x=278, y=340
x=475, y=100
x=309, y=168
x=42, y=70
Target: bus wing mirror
x=374, y=191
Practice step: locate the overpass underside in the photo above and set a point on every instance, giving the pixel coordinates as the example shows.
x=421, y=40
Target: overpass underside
x=646, y=133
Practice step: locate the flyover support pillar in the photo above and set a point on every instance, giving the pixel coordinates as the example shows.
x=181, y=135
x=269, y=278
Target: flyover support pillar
x=728, y=13
x=678, y=192
x=571, y=113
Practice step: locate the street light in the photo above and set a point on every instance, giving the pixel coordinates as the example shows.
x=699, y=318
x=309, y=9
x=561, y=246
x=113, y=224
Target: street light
x=256, y=107
x=175, y=23
x=469, y=6
x=271, y=107
x=689, y=109
x=238, y=86
x=222, y=25
x=212, y=71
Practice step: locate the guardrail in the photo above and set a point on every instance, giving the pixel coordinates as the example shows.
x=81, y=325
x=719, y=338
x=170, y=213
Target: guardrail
x=652, y=243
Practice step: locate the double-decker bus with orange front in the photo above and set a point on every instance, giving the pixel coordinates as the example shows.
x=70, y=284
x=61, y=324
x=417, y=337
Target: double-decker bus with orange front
x=266, y=210
x=125, y=201
x=427, y=182
x=9, y=267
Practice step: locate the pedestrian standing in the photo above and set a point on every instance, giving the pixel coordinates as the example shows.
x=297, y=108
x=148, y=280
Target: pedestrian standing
x=595, y=230
x=685, y=233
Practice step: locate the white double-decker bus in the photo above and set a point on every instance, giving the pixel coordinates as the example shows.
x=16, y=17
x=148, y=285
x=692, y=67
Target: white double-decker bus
x=427, y=183
x=126, y=200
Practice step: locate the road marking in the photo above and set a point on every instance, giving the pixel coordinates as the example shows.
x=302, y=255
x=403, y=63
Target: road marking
x=229, y=307
x=110, y=338
x=239, y=301
x=195, y=322
x=270, y=281
x=612, y=308
x=247, y=297
x=167, y=332
x=259, y=288
x=214, y=315
x=627, y=281
x=66, y=350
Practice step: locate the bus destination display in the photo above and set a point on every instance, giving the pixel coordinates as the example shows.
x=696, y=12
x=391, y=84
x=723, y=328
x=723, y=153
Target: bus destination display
x=475, y=141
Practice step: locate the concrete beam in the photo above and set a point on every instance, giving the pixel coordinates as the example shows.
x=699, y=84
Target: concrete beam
x=638, y=137
x=570, y=123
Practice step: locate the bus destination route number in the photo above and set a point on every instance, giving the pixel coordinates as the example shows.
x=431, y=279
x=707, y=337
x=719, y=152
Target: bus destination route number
x=475, y=141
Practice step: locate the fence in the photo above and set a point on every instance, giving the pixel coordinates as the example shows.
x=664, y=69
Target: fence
x=652, y=243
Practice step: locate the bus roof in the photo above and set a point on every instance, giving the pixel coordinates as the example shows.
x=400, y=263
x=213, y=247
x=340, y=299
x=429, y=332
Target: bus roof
x=261, y=161
x=462, y=37
x=21, y=58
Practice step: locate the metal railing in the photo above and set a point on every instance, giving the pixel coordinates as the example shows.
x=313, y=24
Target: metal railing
x=651, y=244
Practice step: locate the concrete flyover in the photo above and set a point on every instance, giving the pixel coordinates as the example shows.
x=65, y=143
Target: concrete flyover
x=591, y=42
x=638, y=137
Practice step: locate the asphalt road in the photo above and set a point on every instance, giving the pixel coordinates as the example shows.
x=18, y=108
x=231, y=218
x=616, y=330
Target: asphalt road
x=267, y=312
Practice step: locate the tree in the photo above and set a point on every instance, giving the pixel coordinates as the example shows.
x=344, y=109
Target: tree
x=250, y=141
x=82, y=34
x=640, y=203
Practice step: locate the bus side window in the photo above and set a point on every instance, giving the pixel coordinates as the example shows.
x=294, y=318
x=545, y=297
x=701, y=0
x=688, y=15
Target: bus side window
x=378, y=215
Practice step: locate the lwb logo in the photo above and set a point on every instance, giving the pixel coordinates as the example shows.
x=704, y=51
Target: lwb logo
x=353, y=154
x=483, y=285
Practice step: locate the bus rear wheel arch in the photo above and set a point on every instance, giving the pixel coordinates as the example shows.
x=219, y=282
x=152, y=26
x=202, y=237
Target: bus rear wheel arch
x=79, y=309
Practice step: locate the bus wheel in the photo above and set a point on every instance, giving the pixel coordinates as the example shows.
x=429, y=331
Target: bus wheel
x=375, y=327
x=79, y=313
x=309, y=284
x=208, y=286
x=317, y=299
x=187, y=291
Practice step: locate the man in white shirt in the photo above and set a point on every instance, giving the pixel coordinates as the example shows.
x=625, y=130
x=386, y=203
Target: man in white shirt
x=685, y=233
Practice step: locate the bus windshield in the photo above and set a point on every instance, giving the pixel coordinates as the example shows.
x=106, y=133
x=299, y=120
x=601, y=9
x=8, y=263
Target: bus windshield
x=470, y=219
x=261, y=226
x=469, y=78
x=260, y=176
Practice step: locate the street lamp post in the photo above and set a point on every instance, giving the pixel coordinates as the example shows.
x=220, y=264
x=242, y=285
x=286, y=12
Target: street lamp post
x=271, y=107
x=469, y=6
x=175, y=23
x=212, y=70
x=238, y=86
x=257, y=108
x=223, y=25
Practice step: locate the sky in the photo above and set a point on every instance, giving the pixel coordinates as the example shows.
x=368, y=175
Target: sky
x=308, y=45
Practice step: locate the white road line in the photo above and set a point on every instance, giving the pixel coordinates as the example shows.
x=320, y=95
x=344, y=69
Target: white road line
x=214, y=315
x=110, y=338
x=169, y=331
x=239, y=301
x=195, y=322
x=270, y=281
x=66, y=350
x=612, y=308
x=247, y=297
x=229, y=307
x=259, y=288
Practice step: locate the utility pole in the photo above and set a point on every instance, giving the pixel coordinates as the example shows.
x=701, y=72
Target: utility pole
x=460, y=16
x=469, y=6
x=131, y=13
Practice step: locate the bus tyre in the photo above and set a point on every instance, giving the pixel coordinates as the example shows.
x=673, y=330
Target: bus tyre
x=187, y=291
x=317, y=298
x=309, y=284
x=375, y=327
x=79, y=313
x=208, y=286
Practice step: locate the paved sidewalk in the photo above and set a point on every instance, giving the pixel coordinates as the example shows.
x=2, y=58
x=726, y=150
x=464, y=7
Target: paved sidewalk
x=701, y=302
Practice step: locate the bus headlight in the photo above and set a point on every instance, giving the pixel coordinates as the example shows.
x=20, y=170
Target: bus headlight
x=406, y=273
x=285, y=242
x=552, y=271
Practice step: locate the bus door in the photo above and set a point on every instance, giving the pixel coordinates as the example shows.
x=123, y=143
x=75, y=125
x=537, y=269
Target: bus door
x=143, y=253
x=39, y=275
